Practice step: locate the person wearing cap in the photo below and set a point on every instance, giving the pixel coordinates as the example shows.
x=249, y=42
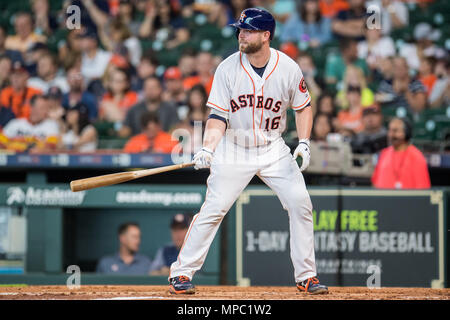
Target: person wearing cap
x=93, y=59
x=128, y=260
x=173, y=81
x=40, y=132
x=167, y=254
x=47, y=75
x=423, y=45
x=80, y=135
x=24, y=36
x=373, y=137
x=17, y=96
x=151, y=139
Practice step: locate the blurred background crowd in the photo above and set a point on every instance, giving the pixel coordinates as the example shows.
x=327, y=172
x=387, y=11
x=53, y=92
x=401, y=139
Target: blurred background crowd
x=136, y=70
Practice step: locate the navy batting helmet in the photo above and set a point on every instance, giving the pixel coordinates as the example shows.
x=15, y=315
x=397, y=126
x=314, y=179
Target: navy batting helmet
x=255, y=19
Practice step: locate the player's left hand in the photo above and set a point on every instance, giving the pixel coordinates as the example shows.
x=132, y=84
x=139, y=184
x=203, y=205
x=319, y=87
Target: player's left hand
x=203, y=158
x=304, y=152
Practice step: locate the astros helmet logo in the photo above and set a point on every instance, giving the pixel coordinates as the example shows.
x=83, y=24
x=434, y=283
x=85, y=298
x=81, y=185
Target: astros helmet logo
x=243, y=16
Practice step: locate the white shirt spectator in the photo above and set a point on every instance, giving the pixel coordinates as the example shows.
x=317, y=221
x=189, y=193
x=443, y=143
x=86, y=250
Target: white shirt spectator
x=134, y=50
x=395, y=6
x=94, y=68
x=69, y=139
x=22, y=127
x=43, y=85
x=382, y=49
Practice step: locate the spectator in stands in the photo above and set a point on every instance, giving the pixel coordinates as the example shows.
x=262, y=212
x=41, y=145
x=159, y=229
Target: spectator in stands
x=146, y=68
x=55, y=110
x=80, y=135
x=186, y=64
x=426, y=74
x=168, y=254
x=196, y=101
x=330, y=8
x=375, y=47
x=322, y=126
x=40, y=132
x=351, y=118
x=17, y=96
x=384, y=71
x=24, y=36
x=32, y=56
x=77, y=94
x=117, y=34
x=127, y=15
x=394, y=14
x=93, y=60
x=174, y=92
x=325, y=104
x=336, y=65
x=163, y=23
x=291, y=49
x=47, y=75
x=423, y=46
x=93, y=12
x=402, y=90
x=401, y=165
x=152, y=101
x=152, y=139
x=193, y=117
x=45, y=22
x=69, y=49
x=373, y=137
x=309, y=70
x=118, y=99
x=204, y=68
x=306, y=25
x=128, y=261
x=440, y=94
x=5, y=71
x=354, y=77
x=14, y=55
x=351, y=23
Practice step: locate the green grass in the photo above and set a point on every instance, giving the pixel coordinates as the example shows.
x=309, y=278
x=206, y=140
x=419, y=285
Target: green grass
x=14, y=285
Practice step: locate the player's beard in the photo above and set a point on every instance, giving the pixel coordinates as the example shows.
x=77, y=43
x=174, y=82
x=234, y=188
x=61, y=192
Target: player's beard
x=250, y=48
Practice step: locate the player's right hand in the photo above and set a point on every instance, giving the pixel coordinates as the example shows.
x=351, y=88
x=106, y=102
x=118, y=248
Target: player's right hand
x=203, y=158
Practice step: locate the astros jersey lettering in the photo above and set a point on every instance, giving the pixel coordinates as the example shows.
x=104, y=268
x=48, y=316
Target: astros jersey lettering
x=256, y=106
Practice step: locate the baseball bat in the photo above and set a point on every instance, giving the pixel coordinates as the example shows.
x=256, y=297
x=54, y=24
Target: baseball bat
x=115, y=178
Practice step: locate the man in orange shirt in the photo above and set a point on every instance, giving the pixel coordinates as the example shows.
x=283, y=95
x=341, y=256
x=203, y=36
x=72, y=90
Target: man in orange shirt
x=401, y=165
x=17, y=96
x=152, y=139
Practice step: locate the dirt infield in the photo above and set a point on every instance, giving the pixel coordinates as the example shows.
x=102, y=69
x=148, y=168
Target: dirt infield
x=216, y=293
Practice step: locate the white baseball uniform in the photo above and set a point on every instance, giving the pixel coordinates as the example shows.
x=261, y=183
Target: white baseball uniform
x=252, y=145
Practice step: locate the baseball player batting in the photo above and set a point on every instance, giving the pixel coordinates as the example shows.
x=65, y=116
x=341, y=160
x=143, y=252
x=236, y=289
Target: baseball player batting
x=251, y=92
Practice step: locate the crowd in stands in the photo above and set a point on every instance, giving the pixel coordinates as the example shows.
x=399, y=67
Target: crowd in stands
x=134, y=71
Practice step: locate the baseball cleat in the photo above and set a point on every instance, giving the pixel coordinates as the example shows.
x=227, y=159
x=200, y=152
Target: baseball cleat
x=312, y=286
x=181, y=285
